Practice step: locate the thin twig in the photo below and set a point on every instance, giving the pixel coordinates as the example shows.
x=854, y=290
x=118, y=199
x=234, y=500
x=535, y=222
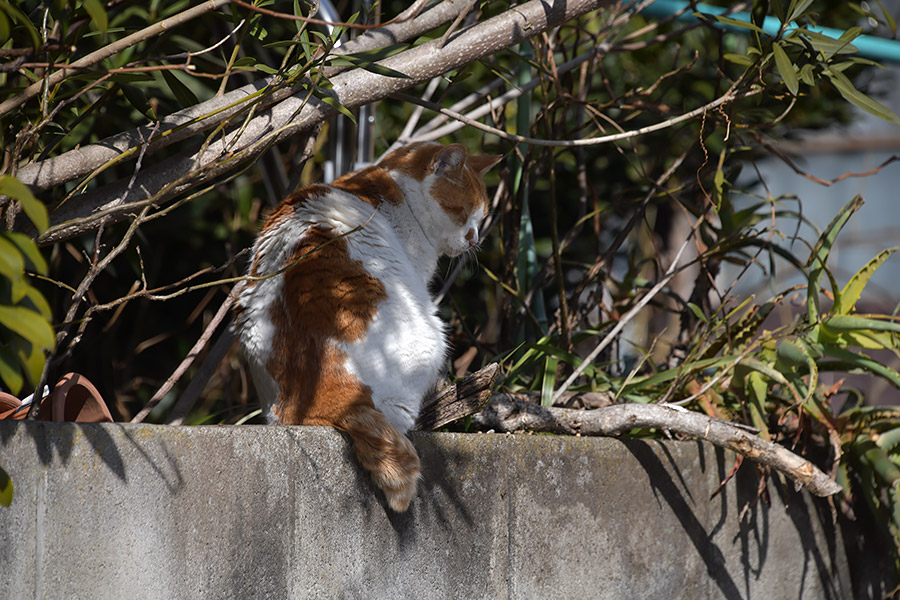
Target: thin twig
x=188, y=360
x=111, y=49
x=670, y=273
x=605, y=139
x=406, y=15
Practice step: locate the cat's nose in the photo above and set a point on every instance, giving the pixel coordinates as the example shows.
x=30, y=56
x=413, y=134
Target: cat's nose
x=472, y=236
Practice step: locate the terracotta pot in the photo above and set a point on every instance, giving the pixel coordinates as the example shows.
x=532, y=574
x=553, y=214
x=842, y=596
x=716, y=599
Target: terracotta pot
x=73, y=398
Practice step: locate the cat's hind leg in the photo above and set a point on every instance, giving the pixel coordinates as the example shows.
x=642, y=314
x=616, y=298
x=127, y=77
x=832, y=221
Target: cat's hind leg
x=385, y=452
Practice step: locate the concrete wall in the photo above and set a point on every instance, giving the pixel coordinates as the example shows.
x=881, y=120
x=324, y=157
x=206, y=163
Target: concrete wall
x=119, y=511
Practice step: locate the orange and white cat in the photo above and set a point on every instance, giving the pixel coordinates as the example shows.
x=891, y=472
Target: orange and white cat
x=346, y=333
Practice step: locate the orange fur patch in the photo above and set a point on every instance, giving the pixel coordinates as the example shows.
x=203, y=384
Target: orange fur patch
x=385, y=453
x=459, y=196
x=326, y=298
x=414, y=160
x=286, y=207
x=459, y=193
x=371, y=185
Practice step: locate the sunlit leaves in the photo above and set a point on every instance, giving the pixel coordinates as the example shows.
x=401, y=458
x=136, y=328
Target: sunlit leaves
x=25, y=330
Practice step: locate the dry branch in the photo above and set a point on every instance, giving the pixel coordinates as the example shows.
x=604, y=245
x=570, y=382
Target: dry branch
x=458, y=400
x=505, y=412
x=206, y=115
x=296, y=113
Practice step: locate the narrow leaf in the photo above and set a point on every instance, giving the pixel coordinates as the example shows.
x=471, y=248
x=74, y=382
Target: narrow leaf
x=137, y=99
x=10, y=371
x=757, y=391
x=819, y=255
x=181, y=92
x=29, y=324
x=785, y=69
x=731, y=22
x=846, y=301
x=548, y=382
x=797, y=8
x=860, y=100
x=97, y=13
x=861, y=361
x=34, y=260
x=34, y=208
x=19, y=17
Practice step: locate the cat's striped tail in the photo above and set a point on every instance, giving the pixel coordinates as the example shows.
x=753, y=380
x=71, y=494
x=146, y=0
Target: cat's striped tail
x=385, y=452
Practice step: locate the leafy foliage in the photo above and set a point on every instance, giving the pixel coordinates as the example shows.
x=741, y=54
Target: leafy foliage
x=580, y=234
x=25, y=317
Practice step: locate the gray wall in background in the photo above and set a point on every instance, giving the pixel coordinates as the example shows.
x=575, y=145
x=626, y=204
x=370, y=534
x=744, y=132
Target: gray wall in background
x=137, y=511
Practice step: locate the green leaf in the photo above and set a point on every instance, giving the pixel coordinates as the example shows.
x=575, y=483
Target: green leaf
x=846, y=301
x=6, y=488
x=34, y=208
x=348, y=60
x=30, y=356
x=738, y=59
x=30, y=324
x=853, y=360
x=797, y=8
x=807, y=75
x=266, y=69
x=888, y=18
x=334, y=103
x=866, y=332
x=298, y=13
x=785, y=69
x=11, y=263
x=698, y=312
x=858, y=99
x=38, y=302
x=827, y=46
x=770, y=372
x=819, y=255
x=888, y=440
x=647, y=381
x=10, y=370
x=181, y=92
x=757, y=391
x=34, y=260
x=548, y=382
x=98, y=14
x=731, y=22
x=5, y=28
x=137, y=99
x=866, y=449
x=19, y=17
x=791, y=353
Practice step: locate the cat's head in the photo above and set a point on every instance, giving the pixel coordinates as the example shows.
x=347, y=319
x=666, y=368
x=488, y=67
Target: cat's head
x=444, y=190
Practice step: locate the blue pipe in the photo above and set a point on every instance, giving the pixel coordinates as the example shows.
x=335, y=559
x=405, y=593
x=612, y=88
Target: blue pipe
x=869, y=46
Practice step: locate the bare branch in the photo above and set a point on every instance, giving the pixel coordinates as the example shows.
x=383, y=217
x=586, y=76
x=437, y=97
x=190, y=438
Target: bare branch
x=505, y=412
x=605, y=139
x=297, y=113
x=213, y=112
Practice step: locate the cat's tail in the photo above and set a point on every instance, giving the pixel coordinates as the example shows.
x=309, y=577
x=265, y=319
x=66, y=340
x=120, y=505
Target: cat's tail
x=385, y=453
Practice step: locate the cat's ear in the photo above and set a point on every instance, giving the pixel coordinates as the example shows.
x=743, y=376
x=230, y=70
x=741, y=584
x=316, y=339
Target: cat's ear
x=449, y=159
x=481, y=164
